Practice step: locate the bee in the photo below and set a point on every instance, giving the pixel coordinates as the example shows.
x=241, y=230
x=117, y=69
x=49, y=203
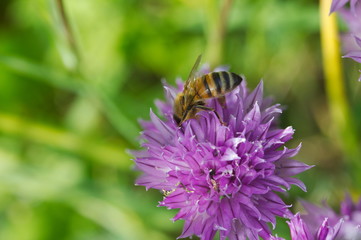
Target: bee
x=197, y=89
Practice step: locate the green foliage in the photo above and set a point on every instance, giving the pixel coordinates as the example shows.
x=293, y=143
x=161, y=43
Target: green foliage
x=69, y=104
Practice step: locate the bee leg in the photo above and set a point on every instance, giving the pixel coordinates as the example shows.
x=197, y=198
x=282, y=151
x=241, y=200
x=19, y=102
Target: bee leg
x=222, y=101
x=211, y=109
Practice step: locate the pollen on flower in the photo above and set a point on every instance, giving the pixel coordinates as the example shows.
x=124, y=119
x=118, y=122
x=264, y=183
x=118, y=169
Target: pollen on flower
x=222, y=177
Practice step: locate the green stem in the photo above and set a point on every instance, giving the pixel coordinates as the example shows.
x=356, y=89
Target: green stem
x=217, y=23
x=111, y=154
x=67, y=28
x=342, y=123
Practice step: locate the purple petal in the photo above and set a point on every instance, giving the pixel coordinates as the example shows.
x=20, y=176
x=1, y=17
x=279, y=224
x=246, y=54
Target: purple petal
x=358, y=41
x=255, y=97
x=323, y=230
x=326, y=232
x=336, y=229
x=253, y=117
x=170, y=93
x=347, y=206
x=353, y=6
x=164, y=108
x=153, y=182
x=337, y=4
x=229, y=155
x=299, y=230
x=355, y=55
x=296, y=182
x=289, y=167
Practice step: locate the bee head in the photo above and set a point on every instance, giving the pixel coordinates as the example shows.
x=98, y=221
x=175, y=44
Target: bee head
x=178, y=108
x=177, y=119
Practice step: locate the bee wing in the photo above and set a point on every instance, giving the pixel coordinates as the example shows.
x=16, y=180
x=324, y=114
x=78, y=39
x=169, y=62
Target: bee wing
x=191, y=76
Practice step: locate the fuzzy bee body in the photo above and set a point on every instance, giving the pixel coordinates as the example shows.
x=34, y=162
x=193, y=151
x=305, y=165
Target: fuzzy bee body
x=212, y=85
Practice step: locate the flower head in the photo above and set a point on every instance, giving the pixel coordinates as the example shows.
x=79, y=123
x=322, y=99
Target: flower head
x=221, y=177
x=322, y=223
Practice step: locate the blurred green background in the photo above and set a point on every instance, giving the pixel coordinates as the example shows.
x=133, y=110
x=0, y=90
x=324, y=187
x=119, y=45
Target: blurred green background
x=71, y=93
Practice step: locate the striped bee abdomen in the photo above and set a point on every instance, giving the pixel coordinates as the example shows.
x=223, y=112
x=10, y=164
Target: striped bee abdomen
x=216, y=84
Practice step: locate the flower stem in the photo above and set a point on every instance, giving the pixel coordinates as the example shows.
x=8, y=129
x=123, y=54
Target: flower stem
x=342, y=124
x=67, y=28
x=217, y=22
x=68, y=47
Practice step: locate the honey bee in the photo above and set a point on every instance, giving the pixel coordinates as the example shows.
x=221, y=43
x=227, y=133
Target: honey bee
x=197, y=89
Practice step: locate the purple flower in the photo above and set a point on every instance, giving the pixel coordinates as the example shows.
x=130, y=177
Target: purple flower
x=337, y=4
x=301, y=230
x=352, y=40
x=322, y=223
x=221, y=177
x=352, y=19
